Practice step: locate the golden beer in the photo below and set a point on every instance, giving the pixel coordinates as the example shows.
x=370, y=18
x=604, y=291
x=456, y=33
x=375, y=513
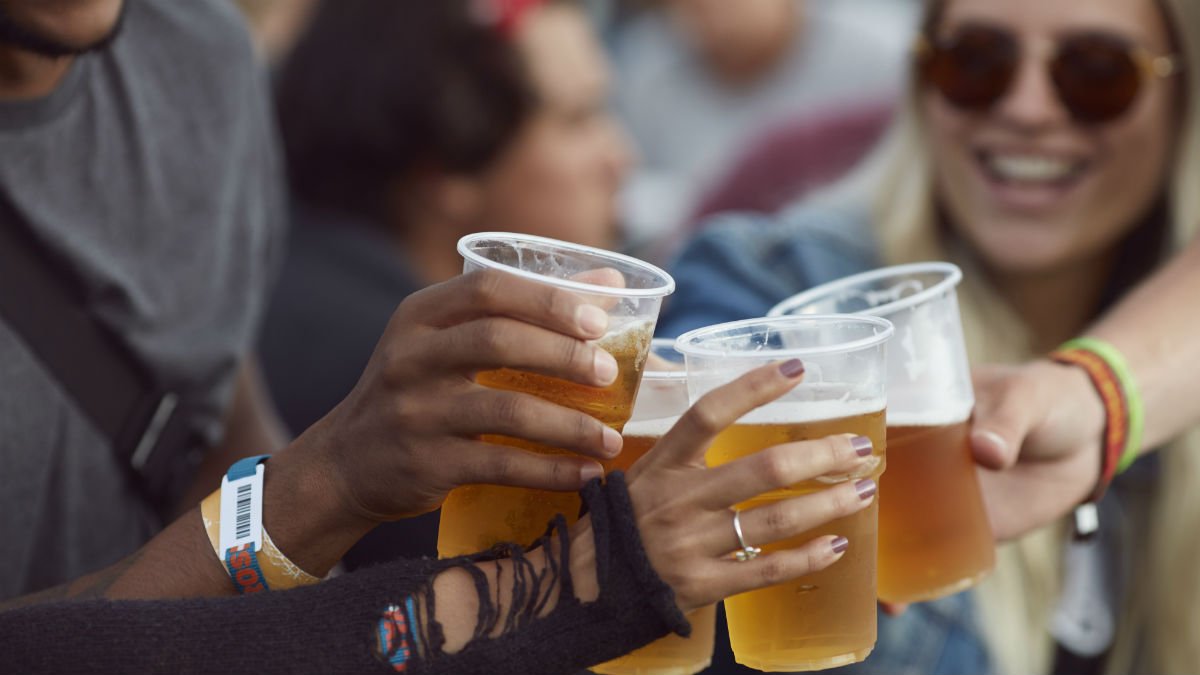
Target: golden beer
x=639, y=436
x=670, y=655
x=934, y=536
x=476, y=517
x=825, y=619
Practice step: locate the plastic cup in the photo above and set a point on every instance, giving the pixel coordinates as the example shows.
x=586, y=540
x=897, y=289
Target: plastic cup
x=934, y=536
x=825, y=619
x=476, y=517
x=662, y=399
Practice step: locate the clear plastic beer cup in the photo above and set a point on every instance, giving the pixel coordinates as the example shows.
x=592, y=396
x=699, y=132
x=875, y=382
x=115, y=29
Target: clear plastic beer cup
x=934, y=537
x=661, y=400
x=825, y=619
x=475, y=517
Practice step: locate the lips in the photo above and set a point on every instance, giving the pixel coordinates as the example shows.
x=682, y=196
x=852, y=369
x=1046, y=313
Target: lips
x=1029, y=181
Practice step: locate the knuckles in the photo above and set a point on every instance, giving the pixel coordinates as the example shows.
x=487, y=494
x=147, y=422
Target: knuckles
x=772, y=570
x=777, y=465
x=705, y=419
x=484, y=289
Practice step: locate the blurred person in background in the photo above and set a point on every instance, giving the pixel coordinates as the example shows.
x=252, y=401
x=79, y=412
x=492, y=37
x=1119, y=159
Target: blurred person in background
x=697, y=80
x=1053, y=152
x=406, y=126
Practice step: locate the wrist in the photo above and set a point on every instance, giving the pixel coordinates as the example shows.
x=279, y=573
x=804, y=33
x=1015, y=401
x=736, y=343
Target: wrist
x=1086, y=407
x=304, y=514
x=583, y=560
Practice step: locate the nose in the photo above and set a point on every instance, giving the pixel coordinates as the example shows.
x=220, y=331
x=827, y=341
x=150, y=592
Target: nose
x=1032, y=102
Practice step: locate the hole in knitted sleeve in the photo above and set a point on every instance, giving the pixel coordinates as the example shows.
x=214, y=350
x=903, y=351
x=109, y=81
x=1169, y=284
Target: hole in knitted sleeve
x=510, y=595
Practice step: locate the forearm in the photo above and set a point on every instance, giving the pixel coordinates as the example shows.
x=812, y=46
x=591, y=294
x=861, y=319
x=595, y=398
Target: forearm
x=332, y=627
x=325, y=628
x=300, y=511
x=616, y=602
x=456, y=597
x=1157, y=328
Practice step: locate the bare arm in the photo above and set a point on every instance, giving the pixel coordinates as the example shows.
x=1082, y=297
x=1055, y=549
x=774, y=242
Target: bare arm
x=400, y=441
x=1157, y=328
x=1038, y=425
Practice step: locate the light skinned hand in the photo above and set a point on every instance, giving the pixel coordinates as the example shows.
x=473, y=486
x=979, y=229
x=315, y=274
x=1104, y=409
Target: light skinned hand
x=1036, y=437
x=408, y=432
x=683, y=508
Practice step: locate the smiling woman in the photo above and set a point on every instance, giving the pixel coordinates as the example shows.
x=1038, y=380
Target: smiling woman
x=1051, y=150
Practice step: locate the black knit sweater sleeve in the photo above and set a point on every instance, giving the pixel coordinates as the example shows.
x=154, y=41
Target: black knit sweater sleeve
x=331, y=627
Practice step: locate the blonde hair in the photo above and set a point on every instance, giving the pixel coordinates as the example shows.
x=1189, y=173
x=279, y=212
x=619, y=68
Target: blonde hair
x=1156, y=629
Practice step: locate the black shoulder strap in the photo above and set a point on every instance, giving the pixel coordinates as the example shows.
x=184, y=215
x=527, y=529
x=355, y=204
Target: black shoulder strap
x=41, y=300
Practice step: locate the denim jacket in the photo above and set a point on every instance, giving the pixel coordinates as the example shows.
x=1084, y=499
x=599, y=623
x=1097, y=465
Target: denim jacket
x=739, y=267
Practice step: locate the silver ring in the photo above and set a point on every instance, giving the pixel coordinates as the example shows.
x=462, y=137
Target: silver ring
x=746, y=552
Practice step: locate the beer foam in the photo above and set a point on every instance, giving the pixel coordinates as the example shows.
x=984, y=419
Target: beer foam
x=654, y=428
x=799, y=412
x=625, y=333
x=930, y=418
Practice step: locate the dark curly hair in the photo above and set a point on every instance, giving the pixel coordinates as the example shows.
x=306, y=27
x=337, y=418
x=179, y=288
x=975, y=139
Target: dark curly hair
x=377, y=88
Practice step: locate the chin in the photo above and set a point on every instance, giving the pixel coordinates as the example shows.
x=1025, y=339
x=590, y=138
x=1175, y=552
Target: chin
x=1021, y=252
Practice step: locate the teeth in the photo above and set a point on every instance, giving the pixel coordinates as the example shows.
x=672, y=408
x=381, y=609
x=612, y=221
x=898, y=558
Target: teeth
x=1030, y=168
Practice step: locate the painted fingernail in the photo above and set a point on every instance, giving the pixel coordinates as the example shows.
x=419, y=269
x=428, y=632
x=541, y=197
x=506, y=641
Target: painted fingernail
x=840, y=544
x=591, y=319
x=606, y=367
x=589, y=471
x=792, y=368
x=612, y=442
x=866, y=488
x=862, y=445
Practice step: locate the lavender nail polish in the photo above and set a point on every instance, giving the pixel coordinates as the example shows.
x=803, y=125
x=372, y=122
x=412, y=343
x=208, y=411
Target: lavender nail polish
x=840, y=544
x=862, y=445
x=792, y=368
x=866, y=488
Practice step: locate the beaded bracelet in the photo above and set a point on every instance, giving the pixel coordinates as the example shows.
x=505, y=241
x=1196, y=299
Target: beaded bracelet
x=1123, y=413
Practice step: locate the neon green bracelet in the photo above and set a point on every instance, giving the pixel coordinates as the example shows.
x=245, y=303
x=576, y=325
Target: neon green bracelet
x=1133, y=399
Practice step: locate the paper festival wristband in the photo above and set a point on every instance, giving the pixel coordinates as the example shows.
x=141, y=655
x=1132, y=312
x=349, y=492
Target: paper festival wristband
x=253, y=561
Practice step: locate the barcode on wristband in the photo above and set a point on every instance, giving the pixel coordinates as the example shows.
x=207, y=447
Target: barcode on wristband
x=243, y=511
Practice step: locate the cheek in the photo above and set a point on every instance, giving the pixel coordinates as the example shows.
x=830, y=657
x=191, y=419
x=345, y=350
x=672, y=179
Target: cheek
x=552, y=191
x=1135, y=167
x=947, y=135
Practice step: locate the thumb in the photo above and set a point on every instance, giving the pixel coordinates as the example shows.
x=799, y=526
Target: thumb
x=1003, y=418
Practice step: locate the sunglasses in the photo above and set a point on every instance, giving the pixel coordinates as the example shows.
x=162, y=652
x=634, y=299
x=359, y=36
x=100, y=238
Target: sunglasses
x=1096, y=76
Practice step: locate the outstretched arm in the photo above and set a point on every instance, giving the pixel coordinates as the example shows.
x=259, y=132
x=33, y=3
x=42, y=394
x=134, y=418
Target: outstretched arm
x=1041, y=422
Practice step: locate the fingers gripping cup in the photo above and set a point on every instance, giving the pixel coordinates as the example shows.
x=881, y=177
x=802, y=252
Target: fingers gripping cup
x=661, y=400
x=934, y=537
x=475, y=517
x=825, y=619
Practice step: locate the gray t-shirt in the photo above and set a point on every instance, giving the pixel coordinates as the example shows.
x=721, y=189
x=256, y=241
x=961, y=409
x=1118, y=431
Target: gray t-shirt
x=152, y=168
